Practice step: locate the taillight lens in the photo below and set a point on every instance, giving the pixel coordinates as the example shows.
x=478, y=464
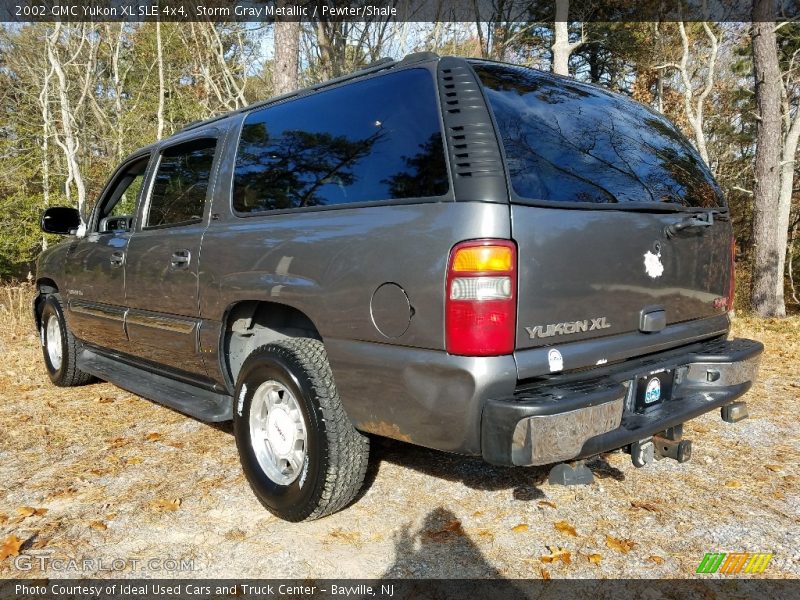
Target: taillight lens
x=480, y=307
x=732, y=278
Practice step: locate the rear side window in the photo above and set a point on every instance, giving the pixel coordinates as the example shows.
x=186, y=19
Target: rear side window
x=181, y=184
x=569, y=142
x=372, y=140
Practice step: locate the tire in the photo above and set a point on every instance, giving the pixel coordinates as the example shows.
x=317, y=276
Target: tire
x=59, y=347
x=299, y=451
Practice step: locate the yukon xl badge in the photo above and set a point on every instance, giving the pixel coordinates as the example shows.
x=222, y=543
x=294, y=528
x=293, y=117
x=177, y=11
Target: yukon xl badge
x=543, y=331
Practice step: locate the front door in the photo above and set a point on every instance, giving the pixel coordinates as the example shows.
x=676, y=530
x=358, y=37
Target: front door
x=94, y=269
x=161, y=268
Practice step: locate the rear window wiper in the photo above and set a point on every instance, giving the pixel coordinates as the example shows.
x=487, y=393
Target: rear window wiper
x=697, y=220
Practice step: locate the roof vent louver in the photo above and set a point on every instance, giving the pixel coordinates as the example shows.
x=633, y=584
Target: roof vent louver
x=471, y=140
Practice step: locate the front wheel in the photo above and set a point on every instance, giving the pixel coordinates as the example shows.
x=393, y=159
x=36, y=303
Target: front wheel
x=59, y=346
x=299, y=451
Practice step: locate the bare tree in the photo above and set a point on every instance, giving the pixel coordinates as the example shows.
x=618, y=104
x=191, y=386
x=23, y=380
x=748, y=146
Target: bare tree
x=769, y=228
x=286, y=68
x=69, y=145
x=562, y=47
x=161, y=91
x=695, y=101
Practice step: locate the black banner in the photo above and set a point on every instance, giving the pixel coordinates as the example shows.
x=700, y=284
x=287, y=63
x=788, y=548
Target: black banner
x=438, y=589
x=468, y=11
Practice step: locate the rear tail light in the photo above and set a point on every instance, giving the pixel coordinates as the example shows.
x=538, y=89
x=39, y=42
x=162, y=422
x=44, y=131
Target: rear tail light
x=732, y=277
x=480, y=306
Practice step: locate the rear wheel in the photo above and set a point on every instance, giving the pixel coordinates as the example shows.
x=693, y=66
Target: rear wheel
x=299, y=451
x=59, y=346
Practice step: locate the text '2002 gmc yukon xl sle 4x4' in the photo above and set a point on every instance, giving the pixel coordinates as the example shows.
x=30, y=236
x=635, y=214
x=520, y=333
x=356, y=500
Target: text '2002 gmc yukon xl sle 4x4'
x=466, y=255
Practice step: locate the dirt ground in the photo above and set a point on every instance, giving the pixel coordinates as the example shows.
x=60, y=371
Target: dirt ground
x=97, y=473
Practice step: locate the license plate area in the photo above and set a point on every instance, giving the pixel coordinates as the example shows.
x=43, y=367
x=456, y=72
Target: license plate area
x=653, y=389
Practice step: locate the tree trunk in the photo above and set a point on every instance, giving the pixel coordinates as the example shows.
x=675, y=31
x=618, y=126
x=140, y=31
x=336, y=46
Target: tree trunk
x=70, y=144
x=286, y=69
x=44, y=103
x=161, y=92
x=769, y=233
x=562, y=48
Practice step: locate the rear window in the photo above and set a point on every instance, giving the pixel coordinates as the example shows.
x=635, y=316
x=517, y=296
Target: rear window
x=372, y=140
x=569, y=142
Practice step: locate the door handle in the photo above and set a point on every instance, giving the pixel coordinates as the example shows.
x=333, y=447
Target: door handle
x=180, y=259
x=117, y=259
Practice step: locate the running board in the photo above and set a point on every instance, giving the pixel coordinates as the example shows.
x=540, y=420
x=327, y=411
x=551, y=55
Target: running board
x=191, y=400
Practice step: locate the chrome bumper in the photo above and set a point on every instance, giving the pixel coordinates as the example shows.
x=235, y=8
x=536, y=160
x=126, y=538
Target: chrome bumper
x=573, y=417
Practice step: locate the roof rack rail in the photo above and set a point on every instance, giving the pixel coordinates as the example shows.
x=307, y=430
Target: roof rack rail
x=416, y=57
x=373, y=67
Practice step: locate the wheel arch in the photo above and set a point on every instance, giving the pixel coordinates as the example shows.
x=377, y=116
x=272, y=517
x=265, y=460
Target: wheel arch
x=44, y=286
x=249, y=324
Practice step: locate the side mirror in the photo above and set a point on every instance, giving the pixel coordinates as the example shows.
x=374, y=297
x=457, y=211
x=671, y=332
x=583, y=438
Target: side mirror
x=60, y=220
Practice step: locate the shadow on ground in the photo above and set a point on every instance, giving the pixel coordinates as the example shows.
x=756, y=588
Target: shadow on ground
x=438, y=549
x=524, y=482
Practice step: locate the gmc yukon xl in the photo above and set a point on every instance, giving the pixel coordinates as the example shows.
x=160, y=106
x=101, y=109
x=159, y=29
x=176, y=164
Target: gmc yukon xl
x=466, y=255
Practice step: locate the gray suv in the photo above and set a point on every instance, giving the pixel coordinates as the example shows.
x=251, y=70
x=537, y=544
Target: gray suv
x=466, y=255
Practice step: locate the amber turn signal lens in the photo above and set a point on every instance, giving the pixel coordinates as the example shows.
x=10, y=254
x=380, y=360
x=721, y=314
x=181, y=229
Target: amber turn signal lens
x=483, y=258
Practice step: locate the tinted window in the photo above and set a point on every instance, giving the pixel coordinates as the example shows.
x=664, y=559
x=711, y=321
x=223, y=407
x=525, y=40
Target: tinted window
x=121, y=197
x=181, y=184
x=570, y=142
x=371, y=140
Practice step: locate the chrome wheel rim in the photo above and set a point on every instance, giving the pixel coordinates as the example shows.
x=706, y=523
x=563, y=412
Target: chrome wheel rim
x=278, y=432
x=52, y=342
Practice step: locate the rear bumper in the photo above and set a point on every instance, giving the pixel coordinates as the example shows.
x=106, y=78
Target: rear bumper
x=579, y=415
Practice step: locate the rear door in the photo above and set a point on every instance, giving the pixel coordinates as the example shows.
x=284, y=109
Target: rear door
x=615, y=215
x=163, y=255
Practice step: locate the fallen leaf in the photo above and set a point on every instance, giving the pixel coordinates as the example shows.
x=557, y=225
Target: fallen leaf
x=350, y=537
x=3, y=518
x=166, y=505
x=153, y=437
x=178, y=445
x=477, y=513
x=648, y=506
x=557, y=554
x=547, y=503
x=99, y=525
x=451, y=528
x=134, y=460
x=105, y=400
x=520, y=528
x=10, y=547
x=656, y=559
x=26, y=511
x=733, y=484
x=595, y=558
x=117, y=442
x=544, y=573
x=486, y=534
x=39, y=544
x=773, y=468
x=623, y=546
x=565, y=527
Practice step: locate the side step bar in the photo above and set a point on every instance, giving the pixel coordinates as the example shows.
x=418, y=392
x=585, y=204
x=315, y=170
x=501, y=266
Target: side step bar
x=194, y=401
